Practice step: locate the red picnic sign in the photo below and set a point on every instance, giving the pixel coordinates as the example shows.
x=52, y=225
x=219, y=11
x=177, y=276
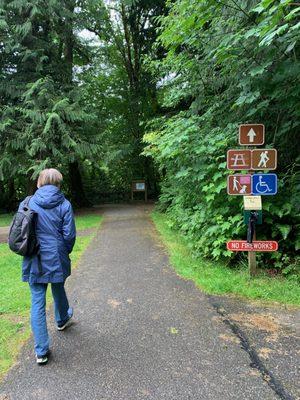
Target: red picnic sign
x=256, y=245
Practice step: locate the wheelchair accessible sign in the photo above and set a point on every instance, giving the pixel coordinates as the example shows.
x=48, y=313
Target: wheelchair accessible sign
x=264, y=184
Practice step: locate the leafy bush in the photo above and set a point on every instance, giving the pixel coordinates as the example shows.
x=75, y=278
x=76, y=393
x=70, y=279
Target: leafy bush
x=225, y=65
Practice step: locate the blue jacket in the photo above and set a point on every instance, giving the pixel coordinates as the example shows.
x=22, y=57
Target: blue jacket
x=56, y=234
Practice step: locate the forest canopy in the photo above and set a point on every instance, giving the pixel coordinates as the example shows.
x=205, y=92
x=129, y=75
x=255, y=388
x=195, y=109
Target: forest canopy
x=111, y=91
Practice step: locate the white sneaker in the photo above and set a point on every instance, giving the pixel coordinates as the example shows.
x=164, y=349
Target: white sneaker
x=68, y=323
x=42, y=360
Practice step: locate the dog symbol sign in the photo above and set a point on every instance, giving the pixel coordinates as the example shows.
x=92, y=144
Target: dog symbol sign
x=239, y=184
x=264, y=184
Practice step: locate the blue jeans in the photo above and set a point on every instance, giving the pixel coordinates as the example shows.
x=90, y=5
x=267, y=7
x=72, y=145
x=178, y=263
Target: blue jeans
x=38, y=313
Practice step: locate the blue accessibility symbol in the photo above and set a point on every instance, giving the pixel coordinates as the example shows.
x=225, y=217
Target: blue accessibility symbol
x=264, y=184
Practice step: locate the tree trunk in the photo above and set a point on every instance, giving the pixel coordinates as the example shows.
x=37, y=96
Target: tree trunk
x=76, y=186
x=11, y=201
x=31, y=186
x=69, y=44
x=2, y=195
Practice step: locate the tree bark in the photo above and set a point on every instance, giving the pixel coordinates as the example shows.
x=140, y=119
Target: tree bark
x=31, y=186
x=76, y=185
x=77, y=190
x=69, y=43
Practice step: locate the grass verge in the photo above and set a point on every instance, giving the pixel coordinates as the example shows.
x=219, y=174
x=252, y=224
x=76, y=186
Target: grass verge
x=215, y=278
x=15, y=300
x=87, y=221
x=5, y=219
x=82, y=221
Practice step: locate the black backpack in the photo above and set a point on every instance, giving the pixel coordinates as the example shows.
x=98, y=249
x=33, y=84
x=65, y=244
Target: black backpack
x=22, y=236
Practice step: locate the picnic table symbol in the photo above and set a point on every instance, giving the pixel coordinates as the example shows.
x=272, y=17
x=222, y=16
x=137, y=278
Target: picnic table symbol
x=238, y=160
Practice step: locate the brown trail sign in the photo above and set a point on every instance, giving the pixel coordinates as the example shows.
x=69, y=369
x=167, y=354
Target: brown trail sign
x=252, y=134
x=238, y=159
x=239, y=184
x=264, y=159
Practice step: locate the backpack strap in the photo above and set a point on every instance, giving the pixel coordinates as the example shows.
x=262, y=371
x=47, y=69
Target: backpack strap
x=39, y=261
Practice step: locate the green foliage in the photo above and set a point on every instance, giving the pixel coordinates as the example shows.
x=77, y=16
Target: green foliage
x=217, y=278
x=48, y=136
x=75, y=94
x=195, y=183
x=119, y=88
x=5, y=219
x=44, y=121
x=227, y=63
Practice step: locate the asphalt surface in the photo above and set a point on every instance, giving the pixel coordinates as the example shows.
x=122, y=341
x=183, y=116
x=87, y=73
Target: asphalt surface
x=141, y=332
x=270, y=333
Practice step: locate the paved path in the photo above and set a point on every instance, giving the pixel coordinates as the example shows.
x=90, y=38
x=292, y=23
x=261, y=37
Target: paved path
x=141, y=331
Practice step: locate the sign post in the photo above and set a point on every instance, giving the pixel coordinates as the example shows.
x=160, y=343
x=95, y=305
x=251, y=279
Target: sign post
x=139, y=186
x=252, y=262
x=252, y=186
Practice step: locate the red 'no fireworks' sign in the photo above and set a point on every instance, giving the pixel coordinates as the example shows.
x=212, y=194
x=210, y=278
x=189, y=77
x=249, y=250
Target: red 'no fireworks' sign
x=256, y=245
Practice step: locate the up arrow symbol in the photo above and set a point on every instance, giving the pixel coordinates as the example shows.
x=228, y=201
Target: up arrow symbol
x=251, y=134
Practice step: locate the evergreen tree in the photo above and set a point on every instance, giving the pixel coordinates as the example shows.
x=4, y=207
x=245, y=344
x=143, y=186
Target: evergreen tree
x=42, y=114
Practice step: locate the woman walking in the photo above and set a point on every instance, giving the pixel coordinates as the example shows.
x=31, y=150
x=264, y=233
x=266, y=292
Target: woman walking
x=55, y=231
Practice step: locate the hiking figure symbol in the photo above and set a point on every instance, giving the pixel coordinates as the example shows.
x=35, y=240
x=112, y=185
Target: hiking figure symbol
x=263, y=159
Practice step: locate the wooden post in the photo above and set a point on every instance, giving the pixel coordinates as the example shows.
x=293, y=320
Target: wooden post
x=252, y=259
x=252, y=264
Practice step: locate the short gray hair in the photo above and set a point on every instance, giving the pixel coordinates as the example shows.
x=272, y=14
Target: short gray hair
x=50, y=176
